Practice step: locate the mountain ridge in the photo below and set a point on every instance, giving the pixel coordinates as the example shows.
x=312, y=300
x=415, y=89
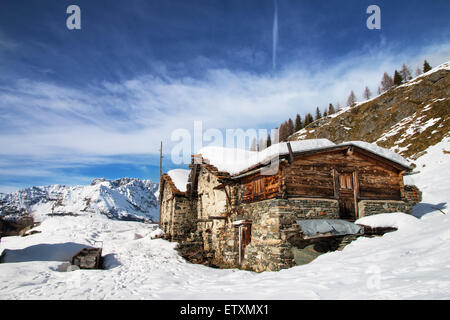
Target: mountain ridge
x=123, y=199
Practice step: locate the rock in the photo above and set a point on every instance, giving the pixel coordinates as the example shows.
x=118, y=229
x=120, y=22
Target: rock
x=88, y=258
x=15, y=225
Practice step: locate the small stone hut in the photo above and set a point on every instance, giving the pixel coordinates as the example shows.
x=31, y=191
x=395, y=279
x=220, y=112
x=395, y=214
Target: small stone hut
x=176, y=211
x=246, y=207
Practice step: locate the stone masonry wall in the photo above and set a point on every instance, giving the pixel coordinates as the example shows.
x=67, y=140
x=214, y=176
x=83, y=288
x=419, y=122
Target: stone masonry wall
x=183, y=216
x=371, y=207
x=218, y=236
x=269, y=249
x=178, y=215
x=413, y=194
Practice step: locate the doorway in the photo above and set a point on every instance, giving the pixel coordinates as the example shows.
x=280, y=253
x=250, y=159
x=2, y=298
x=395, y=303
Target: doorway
x=245, y=236
x=347, y=195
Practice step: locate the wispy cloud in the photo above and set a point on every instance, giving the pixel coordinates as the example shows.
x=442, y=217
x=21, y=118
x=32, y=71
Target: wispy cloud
x=47, y=128
x=132, y=116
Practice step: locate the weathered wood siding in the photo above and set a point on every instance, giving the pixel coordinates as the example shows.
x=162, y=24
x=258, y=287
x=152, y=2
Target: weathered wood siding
x=312, y=176
x=261, y=187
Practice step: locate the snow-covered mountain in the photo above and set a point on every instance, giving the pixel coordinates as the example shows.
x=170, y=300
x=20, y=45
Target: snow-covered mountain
x=125, y=199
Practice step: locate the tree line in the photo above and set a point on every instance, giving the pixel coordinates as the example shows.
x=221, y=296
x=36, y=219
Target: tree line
x=388, y=82
x=289, y=127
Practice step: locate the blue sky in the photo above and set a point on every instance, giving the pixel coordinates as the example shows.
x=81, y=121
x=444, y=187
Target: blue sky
x=79, y=104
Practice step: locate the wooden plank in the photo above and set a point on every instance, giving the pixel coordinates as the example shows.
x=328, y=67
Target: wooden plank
x=356, y=192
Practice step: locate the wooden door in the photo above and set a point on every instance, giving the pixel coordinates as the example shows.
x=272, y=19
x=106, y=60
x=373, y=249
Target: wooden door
x=346, y=196
x=245, y=235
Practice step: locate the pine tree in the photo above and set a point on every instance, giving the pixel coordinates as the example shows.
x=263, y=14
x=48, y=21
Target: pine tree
x=367, y=94
x=418, y=72
x=426, y=66
x=290, y=127
x=269, y=141
x=351, y=99
x=283, y=132
x=405, y=73
x=379, y=91
x=318, y=114
x=253, y=146
x=325, y=113
x=308, y=120
x=397, y=78
x=262, y=144
x=331, y=109
x=386, y=82
x=298, y=123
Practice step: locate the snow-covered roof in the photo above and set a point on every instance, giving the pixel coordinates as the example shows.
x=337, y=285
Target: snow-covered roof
x=179, y=178
x=383, y=152
x=235, y=161
x=315, y=227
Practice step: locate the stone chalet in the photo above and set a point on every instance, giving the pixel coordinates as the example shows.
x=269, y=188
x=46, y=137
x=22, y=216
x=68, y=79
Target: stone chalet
x=252, y=210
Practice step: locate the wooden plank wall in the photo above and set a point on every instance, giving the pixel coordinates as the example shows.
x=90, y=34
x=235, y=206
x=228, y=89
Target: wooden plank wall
x=313, y=176
x=270, y=187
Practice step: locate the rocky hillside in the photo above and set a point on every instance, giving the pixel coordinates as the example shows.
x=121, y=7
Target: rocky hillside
x=125, y=199
x=406, y=119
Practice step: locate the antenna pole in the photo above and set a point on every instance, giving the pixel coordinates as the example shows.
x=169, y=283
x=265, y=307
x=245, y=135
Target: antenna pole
x=160, y=161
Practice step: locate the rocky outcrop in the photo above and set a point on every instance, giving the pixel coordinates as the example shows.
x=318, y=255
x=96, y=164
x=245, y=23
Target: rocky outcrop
x=14, y=225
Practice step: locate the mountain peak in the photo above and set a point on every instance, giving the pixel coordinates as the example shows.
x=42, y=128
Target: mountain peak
x=125, y=198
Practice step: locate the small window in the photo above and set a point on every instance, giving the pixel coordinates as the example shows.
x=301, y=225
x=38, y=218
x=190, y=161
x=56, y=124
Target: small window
x=258, y=185
x=346, y=181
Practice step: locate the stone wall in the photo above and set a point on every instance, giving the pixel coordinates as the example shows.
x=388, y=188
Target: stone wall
x=266, y=250
x=211, y=202
x=217, y=235
x=178, y=215
x=273, y=223
x=413, y=194
x=371, y=207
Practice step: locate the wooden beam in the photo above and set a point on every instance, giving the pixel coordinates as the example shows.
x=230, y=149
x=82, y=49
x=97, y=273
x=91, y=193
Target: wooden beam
x=291, y=154
x=356, y=192
x=217, y=217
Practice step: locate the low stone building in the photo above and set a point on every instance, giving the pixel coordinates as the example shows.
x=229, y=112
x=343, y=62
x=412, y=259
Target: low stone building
x=246, y=208
x=177, y=214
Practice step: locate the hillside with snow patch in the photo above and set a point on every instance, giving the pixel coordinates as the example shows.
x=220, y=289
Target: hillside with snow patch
x=406, y=119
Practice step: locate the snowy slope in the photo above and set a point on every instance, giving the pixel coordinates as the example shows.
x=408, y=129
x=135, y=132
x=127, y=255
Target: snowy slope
x=125, y=198
x=411, y=263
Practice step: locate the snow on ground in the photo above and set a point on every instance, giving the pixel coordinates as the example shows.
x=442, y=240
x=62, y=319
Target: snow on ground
x=433, y=180
x=411, y=263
